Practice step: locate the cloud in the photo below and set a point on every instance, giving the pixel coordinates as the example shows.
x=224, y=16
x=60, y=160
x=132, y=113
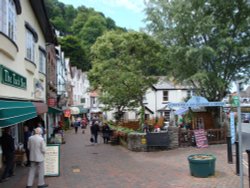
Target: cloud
x=133, y=5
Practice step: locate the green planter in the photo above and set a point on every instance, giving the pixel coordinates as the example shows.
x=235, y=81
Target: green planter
x=202, y=165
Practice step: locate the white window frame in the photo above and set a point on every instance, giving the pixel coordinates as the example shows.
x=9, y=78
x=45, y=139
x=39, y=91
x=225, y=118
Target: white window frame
x=165, y=96
x=8, y=18
x=42, y=61
x=30, y=46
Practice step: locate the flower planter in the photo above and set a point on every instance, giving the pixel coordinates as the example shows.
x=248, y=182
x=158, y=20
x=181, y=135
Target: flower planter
x=202, y=165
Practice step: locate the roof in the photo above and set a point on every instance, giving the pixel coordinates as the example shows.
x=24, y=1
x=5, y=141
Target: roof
x=166, y=84
x=43, y=20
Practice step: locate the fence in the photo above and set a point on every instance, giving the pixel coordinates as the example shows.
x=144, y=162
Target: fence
x=214, y=136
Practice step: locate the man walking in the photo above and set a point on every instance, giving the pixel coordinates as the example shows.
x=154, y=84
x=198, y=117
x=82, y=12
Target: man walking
x=36, y=146
x=8, y=148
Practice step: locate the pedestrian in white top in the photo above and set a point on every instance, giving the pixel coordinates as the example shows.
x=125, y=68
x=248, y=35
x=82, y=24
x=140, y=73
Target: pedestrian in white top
x=36, y=145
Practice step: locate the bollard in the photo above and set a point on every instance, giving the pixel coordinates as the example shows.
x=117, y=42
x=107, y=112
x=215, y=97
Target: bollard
x=248, y=155
x=229, y=150
x=237, y=158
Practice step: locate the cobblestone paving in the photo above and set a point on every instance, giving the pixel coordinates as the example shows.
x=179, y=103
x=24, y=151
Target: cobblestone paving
x=84, y=165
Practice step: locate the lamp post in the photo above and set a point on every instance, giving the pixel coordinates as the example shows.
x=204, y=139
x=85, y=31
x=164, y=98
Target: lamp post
x=239, y=134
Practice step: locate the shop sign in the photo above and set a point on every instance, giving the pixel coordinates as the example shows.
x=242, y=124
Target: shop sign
x=11, y=78
x=235, y=102
x=67, y=113
x=39, y=89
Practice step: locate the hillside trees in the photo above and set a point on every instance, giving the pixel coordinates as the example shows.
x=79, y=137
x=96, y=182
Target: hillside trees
x=83, y=23
x=207, y=40
x=123, y=65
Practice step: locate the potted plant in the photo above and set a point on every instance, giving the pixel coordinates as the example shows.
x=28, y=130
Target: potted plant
x=202, y=165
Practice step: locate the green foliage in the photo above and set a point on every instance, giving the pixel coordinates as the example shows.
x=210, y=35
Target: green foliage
x=71, y=45
x=123, y=65
x=83, y=23
x=207, y=41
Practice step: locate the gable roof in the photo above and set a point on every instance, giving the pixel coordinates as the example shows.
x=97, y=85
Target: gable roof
x=165, y=84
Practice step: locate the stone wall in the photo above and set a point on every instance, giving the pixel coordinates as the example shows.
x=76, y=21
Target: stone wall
x=173, y=133
x=137, y=141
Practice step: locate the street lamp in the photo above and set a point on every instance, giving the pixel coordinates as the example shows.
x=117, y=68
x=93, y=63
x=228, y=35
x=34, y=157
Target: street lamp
x=238, y=86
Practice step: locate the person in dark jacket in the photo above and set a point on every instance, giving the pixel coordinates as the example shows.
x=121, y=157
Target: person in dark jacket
x=105, y=133
x=27, y=134
x=8, y=147
x=94, y=130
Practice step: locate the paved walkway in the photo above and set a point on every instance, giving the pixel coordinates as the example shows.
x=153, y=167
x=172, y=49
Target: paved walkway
x=105, y=166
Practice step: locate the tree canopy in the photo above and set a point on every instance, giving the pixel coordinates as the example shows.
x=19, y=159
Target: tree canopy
x=85, y=24
x=123, y=65
x=207, y=40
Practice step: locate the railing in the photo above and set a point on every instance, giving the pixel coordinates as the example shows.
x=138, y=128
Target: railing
x=214, y=136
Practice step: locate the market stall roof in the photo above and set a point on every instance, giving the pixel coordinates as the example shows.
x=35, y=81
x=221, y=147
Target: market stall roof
x=13, y=112
x=195, y=101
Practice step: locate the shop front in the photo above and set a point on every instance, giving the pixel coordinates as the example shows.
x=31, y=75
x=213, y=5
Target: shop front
x=14, y=114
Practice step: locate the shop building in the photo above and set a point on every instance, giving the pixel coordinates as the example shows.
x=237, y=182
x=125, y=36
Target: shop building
x=25, y=32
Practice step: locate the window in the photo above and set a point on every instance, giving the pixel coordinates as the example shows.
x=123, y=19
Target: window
x=166, y=115
x=30, y=46
x=165, y=95
x=189, y=94
x=93, y=100
x=8, y=18
x=83, y=100
x=42, y=60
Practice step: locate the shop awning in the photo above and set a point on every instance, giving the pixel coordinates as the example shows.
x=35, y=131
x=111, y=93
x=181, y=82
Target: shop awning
x=74, y=110
x=53, y=110
x=83, y=110
x=13, y=112
x=41, y=108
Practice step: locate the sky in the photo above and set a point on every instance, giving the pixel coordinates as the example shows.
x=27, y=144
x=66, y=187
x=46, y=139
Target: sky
x=125, y=13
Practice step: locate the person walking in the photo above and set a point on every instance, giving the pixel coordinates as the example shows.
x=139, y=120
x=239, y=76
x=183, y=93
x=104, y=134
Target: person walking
x=8, y=148
x=105, y=133
x=36, y=145
x=94, y=131
x=27, y=134
x=76, y=125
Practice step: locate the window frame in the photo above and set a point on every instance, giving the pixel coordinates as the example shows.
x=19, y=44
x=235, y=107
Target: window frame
x=42, y=60
x=164, y=97
x=30, y=46
x=8, y=17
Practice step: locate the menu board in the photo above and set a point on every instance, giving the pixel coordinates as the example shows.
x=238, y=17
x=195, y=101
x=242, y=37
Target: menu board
x=52, y=160
x=200, y=138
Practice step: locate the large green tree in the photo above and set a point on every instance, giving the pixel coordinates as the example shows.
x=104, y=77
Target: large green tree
x=71, y=45
x=123, y=65
x=207, y=40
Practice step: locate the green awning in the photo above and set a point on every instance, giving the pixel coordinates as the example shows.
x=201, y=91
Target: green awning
x=78, y=110
x=53, y=110
x=13, y=112
x=82, y=110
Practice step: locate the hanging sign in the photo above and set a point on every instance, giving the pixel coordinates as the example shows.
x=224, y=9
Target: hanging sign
x=232, y=128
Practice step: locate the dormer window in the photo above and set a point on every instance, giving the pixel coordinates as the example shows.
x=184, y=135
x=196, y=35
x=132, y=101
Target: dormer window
x=8, y=18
